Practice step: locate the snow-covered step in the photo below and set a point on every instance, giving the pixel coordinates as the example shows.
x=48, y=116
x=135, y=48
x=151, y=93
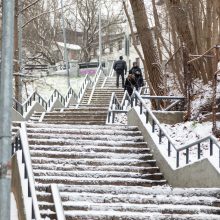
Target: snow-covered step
x=117, y=215
x=63, y=126
x=94, y=161
x=55, y=141
x=86, y=130
x=142, y=208
x=89, y=148
x=212, y=194
x=114, y=203
x=76, y=122
x=89, y=155
x=86, y=136
x=154, y=195
x=99, y=181
x=97, y=174
x=78, y=167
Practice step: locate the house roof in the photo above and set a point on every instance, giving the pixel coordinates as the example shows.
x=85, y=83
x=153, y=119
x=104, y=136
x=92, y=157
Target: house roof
x=69, y=46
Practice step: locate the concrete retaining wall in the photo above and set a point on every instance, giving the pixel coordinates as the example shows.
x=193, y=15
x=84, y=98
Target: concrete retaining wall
x=169, y=117
x=199, y=174
x=17, y=188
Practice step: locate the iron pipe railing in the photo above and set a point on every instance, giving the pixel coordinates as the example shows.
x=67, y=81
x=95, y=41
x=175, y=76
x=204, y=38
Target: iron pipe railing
x=20, y=142
x=170, y=143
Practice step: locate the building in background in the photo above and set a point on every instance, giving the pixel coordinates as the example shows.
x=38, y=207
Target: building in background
x=116, y=45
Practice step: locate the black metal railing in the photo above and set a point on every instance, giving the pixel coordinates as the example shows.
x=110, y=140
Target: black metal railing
x=115, y=107
x=171, y=146
x=171, y=102
x=18, y=144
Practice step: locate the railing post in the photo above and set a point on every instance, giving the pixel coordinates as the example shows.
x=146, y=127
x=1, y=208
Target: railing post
x=135, y=99
x=141, y=107
x=169, y=148
x=113, y=117
x=153, y=125
x=211, y=147
x=199, y=149
x=187, y=155
x=160, y=136
x=177, y=158
x=109, y=116
x=147, y=116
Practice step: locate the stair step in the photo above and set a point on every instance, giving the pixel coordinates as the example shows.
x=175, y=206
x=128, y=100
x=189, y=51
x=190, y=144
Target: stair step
x=210, y=195
x=98, y=174
x=89, y=148
x=88, y=155
x=104, y=127
x=82, y=136
x=86, y=131
x=99, y=181
x=117, y=215
x=94, y=162
x=55, y=141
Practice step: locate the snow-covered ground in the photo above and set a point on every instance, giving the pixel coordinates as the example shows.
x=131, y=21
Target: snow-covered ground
x=45, y=85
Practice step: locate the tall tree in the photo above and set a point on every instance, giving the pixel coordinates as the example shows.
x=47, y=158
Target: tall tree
x=148, y=45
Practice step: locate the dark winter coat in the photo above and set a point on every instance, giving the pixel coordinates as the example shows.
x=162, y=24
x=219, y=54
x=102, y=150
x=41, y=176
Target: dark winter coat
x=136, y=71
x=120, y=66
x=130, y=84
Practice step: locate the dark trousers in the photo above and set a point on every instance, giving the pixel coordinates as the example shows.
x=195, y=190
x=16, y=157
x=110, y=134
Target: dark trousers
x=118, y=74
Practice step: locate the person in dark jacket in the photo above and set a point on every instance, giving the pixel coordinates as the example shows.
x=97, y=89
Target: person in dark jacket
x=120, y=68
x=130, y=84
x=136, y=71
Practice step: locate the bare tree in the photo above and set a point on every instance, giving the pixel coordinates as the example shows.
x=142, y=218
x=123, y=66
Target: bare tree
x=149, y=49
x=85, y=13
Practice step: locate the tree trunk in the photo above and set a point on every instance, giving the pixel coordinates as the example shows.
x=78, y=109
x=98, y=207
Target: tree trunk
x=179, y=15
x=17, y=79
x=149, y=49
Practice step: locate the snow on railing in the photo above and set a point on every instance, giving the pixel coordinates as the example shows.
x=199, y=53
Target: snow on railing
x=36, y=97
x=115, y=107
x=179, y=103
x=20, y=142
x=96, y=79
x=111, y=72
x=57, y=202
x=171, y=146
x=87, y=81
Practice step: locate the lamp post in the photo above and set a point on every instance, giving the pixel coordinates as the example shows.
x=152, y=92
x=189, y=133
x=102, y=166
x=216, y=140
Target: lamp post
x=20, y=36
x=65, y=48
x=5, y=106
x=100, y=35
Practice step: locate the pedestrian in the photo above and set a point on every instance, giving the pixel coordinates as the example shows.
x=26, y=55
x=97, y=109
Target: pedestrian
x=136, y=71
x=130, y=84
x=120, y=68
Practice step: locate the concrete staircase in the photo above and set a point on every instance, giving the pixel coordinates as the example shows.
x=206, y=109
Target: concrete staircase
x=88, y=114
x=103, y=95
x=105, y=172
x=75, y=156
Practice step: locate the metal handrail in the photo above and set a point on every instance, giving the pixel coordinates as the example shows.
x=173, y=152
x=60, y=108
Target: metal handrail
x=159, y=98
x=87, y=81
x=57, y=202
x=97, y=75
x=119, y=106
x=163, y=133
x=20, y=142
x=111, y=72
